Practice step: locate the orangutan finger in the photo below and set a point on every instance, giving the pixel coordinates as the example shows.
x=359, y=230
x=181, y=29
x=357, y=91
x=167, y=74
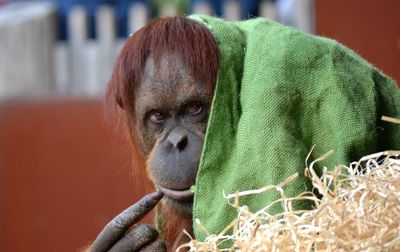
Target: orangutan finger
x=118, y=226
x=138, y=237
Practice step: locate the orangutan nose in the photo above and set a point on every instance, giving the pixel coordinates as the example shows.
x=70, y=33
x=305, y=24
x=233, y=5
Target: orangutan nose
x=178, y=138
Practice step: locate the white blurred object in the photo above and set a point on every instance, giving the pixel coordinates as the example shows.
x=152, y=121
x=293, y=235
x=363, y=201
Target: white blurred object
x=202, y=8
x=138, y=16
x=104, y=49
x=27, y=38
x=231, y=10
x=268, y=10
x=168, y=9
x=297, y=13
x=89, y=62
x=78, y=35
x=62, y=68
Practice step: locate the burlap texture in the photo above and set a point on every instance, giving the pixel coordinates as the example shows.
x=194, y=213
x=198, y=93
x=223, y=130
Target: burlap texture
x=279, y=93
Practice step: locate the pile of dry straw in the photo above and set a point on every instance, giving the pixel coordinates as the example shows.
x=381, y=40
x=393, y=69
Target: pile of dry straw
x=359, y=211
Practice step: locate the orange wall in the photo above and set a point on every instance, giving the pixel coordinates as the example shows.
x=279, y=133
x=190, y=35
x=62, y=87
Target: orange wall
x=371, y=28
x=63, y=175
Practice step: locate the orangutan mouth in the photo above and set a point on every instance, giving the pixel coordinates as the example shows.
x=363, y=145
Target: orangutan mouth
x=178, y=195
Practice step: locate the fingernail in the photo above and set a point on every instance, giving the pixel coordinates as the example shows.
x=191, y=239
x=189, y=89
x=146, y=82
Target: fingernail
x=157, y=195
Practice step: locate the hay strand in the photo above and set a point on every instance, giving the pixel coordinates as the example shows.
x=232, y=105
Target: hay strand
x=359, y=211
x=390, y=119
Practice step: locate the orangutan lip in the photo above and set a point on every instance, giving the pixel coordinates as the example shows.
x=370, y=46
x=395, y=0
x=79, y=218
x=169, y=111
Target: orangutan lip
x=179, y=195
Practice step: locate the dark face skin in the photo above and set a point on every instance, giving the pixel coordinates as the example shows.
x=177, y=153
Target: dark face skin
x=172, y=113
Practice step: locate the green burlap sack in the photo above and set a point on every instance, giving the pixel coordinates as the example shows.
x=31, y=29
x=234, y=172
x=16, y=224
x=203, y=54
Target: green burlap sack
x=279, y=93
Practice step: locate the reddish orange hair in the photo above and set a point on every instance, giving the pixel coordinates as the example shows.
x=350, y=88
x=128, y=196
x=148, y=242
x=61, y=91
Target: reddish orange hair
x=198, y=50
x=173, y=35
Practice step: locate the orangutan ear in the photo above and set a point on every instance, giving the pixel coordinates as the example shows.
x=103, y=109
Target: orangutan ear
x=119, y=101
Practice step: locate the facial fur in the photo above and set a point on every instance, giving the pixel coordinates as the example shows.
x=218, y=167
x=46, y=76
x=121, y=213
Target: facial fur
x=172, y=111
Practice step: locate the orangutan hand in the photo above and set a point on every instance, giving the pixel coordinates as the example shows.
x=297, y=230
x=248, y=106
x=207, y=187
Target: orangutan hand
x=115, y=236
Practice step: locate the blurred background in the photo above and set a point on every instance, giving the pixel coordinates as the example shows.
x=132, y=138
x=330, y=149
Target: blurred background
x=64, y=172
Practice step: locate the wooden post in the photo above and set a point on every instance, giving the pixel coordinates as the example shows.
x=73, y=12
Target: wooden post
x=27, y=38
x=231, y=10
x=62, y=70
x=297, y=13
x=304, y=15
x=138, y=16
x=201, y=7
x=106, y=46
x=268, y=10
x=78, y=34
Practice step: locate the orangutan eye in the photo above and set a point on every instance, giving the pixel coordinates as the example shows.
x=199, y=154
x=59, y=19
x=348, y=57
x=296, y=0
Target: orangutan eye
x=194, y=109
x=157, y=117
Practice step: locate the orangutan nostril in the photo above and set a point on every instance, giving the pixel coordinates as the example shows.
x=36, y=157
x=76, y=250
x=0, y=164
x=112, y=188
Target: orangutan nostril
x=182, y=143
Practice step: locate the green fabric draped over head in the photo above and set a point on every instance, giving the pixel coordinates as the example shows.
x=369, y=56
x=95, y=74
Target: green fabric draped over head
x=279, y=93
